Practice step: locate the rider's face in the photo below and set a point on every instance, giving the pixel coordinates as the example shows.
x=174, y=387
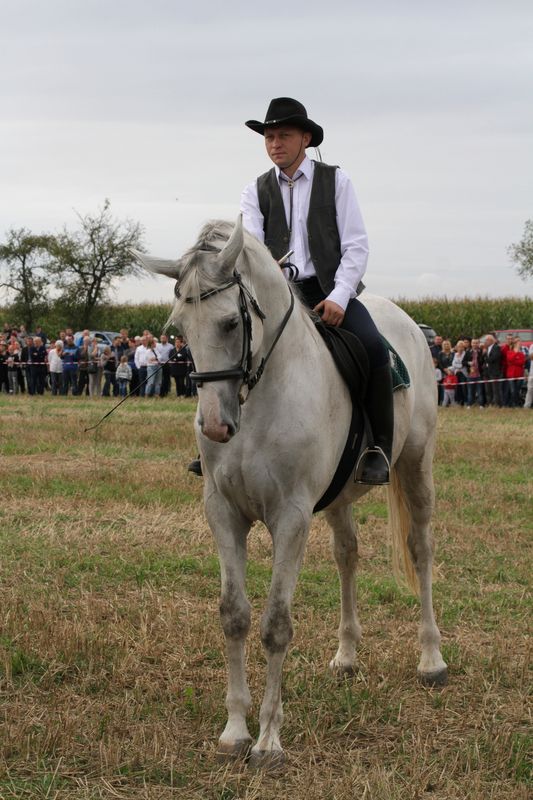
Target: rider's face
x=286, y=145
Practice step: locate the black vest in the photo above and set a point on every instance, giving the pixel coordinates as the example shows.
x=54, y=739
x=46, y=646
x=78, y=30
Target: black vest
x=322, y=231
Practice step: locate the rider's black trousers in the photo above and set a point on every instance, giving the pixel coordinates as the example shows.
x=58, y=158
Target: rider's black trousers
x=357, y=320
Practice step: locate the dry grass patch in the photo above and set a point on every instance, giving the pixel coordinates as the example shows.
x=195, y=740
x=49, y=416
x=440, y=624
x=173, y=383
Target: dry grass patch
x=112, y=674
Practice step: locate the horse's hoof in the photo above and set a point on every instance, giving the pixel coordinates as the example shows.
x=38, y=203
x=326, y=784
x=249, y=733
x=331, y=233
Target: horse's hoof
x=231, y=751
x=343, y=670
x=434, y=679
x=268, y=760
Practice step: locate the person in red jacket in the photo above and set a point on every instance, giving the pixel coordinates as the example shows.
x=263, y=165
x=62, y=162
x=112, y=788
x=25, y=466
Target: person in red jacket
x=449, y=383
x=515, y=361
x=506, y=385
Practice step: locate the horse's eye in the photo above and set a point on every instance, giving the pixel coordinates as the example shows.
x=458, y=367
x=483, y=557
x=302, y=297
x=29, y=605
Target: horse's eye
x=231, y=324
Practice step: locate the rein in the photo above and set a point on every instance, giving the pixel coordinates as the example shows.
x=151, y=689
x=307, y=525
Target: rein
x=244, y=369
x=130, y=394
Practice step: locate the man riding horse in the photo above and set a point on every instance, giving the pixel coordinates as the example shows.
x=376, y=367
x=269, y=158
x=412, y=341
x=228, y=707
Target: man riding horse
x=310, y=209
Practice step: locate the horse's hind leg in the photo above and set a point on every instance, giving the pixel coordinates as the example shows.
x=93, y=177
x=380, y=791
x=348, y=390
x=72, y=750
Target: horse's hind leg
x=230, y=531
x=414, y=471
x=344, y=545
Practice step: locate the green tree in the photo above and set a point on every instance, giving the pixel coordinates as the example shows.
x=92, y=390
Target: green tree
x=88, y=261
x=522, y=253
x=24, y=269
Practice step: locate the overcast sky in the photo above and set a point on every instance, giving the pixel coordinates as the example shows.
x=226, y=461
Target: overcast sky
x=428, y=106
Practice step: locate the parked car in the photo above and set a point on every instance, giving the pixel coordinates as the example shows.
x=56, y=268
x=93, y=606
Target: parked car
x=428, y=332
x=104, y=338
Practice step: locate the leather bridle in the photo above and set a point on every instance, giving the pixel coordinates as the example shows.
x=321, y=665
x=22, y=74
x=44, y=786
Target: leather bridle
x=244, y=369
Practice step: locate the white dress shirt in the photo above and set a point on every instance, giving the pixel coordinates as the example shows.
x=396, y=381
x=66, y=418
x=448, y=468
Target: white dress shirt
x=163, y=352
x=141, y=356
x=352, y=233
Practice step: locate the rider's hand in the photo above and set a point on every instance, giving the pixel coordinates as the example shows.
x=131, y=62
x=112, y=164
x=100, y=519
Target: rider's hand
x=331, y=313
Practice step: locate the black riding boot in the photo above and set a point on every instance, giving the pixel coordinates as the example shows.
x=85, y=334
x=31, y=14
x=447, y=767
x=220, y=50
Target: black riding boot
x=374, y=463
x=196, y=467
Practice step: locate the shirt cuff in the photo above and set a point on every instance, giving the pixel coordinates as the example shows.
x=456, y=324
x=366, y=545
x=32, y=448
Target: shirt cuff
x=341, y=296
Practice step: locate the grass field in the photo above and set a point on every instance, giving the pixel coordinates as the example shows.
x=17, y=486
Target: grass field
x=112, y=674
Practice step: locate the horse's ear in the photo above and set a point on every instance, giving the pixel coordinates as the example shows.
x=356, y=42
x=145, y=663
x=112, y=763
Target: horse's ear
x=162, y=266
x=229, y=254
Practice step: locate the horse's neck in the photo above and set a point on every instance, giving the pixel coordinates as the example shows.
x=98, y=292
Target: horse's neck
x=274, y=297
x=300, y=355
x=301, y=398
x=299, y=344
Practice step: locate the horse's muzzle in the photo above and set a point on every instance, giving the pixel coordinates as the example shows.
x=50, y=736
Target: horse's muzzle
x=218, y=432
x=218, y=413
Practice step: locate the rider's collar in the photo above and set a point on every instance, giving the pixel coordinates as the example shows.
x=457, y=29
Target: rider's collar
x=305, y=168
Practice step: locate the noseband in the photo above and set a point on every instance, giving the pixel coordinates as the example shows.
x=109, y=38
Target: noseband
x=244, y=369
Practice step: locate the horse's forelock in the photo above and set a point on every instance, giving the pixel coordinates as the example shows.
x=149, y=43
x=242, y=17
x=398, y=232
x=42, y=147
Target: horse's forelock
x=200, y=270
x=213, y=236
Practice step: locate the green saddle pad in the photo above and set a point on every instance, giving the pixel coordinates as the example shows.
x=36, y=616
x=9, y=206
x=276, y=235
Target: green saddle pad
x=399, y=372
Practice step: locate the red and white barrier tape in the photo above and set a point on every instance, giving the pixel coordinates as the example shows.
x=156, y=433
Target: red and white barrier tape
x=469, y=382
x=76, y=364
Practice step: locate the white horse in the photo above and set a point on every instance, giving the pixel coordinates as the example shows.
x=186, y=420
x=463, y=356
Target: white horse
x=269, y=454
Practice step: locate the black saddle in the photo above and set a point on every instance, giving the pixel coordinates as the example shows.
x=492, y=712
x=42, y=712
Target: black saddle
x=351, y=359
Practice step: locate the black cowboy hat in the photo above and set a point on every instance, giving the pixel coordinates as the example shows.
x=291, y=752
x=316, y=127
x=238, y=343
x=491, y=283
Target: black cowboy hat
x=285, y=110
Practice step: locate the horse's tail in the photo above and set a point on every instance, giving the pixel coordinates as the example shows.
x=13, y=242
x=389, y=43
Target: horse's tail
x=399, y=524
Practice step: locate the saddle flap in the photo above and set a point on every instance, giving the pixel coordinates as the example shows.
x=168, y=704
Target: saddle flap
x=349, y=355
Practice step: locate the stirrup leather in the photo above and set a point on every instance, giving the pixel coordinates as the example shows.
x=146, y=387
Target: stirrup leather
x=359, y=467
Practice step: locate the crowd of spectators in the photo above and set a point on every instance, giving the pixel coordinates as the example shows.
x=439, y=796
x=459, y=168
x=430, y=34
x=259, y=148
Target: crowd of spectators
x=144, y=366
x=472, y=372
x=483, y=373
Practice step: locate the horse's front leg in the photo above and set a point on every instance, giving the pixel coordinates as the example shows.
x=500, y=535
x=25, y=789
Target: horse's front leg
x=289, y=539
x=231, y=529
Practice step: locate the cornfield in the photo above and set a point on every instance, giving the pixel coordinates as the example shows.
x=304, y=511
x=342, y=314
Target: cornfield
x=451, y=318
x=470, y=316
